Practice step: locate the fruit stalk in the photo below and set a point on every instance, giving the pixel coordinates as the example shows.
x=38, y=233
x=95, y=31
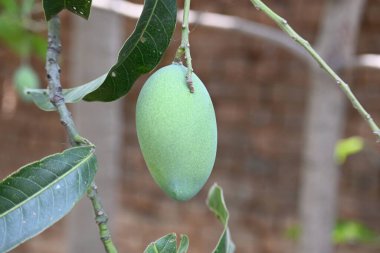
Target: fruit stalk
x=57, y=99
x=283, y=24
x=184, y=48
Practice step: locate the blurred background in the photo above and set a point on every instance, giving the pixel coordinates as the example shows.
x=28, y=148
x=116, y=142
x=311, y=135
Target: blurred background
x=279, y=117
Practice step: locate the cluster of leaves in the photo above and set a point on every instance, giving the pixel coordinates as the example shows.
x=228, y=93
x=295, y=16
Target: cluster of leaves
x=39, y=194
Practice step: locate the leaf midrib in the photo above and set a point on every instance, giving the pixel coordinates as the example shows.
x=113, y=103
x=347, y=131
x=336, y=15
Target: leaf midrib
x=49, y=185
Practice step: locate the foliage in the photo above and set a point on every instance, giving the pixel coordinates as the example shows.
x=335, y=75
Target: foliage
x=41, y=193
x=140, y=54
x=79, y=7
x=16, y=29
x=217, y=205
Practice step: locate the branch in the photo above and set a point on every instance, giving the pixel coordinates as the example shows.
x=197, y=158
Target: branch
x=56, y=97
x=213, y=20
x=283, y=24
x=101, y=219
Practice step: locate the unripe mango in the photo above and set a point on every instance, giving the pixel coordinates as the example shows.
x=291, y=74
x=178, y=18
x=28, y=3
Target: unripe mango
x=177, y=131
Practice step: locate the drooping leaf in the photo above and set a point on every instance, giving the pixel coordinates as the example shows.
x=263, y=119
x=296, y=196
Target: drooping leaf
x=80, y=7
x=41, y=193
x=166, y=244
x=346, y=147
x=217, y=205
x=140, y=54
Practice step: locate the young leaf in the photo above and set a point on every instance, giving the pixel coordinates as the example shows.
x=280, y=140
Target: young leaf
x=215, y=202
x=79, y=7
x=166, y=244
x=140, y=54
x=41, y=98
x=41, y=193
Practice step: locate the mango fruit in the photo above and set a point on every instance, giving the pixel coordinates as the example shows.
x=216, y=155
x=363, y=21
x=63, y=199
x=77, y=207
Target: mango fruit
x=176, y=131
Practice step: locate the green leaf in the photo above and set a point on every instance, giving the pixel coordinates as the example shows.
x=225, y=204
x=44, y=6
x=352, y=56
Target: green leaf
x=80, y=7
x=140, y=54
x=183, y=244
x=41, y=193
x=217, y=205
x=166, y=244
x=41, y=96
x=346, y=147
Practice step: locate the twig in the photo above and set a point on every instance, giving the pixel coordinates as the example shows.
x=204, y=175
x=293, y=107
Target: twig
x=283, y=24
x=184, y=48
x=101, y=219
x=56, y=97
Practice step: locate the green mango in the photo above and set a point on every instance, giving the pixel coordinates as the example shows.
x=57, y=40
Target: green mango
x=177, y=131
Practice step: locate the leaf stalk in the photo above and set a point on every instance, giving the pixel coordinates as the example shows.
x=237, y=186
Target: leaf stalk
x=184, y=48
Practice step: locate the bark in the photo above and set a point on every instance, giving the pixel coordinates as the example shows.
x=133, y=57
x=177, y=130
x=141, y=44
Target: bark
x=324, y=126
x=94, y=48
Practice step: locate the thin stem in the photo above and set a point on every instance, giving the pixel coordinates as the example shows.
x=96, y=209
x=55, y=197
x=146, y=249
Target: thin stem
x=56, y=97
x=101, y=219
x=184, y=48
x=283, y=24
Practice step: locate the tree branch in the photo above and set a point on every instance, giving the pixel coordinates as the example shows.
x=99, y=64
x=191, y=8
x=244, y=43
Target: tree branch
x=56, y=97
x=283, y=24
x=213, y=20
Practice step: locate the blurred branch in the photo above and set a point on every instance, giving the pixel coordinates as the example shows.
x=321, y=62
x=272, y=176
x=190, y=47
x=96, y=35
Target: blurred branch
x=283, y=24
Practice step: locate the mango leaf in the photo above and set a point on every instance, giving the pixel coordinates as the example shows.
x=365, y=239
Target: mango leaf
x=39, y=194
x=80, y=7
x=140, y=54
x=41, y=96
x=217, y=205
x=346, y=147
x=168, y=244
